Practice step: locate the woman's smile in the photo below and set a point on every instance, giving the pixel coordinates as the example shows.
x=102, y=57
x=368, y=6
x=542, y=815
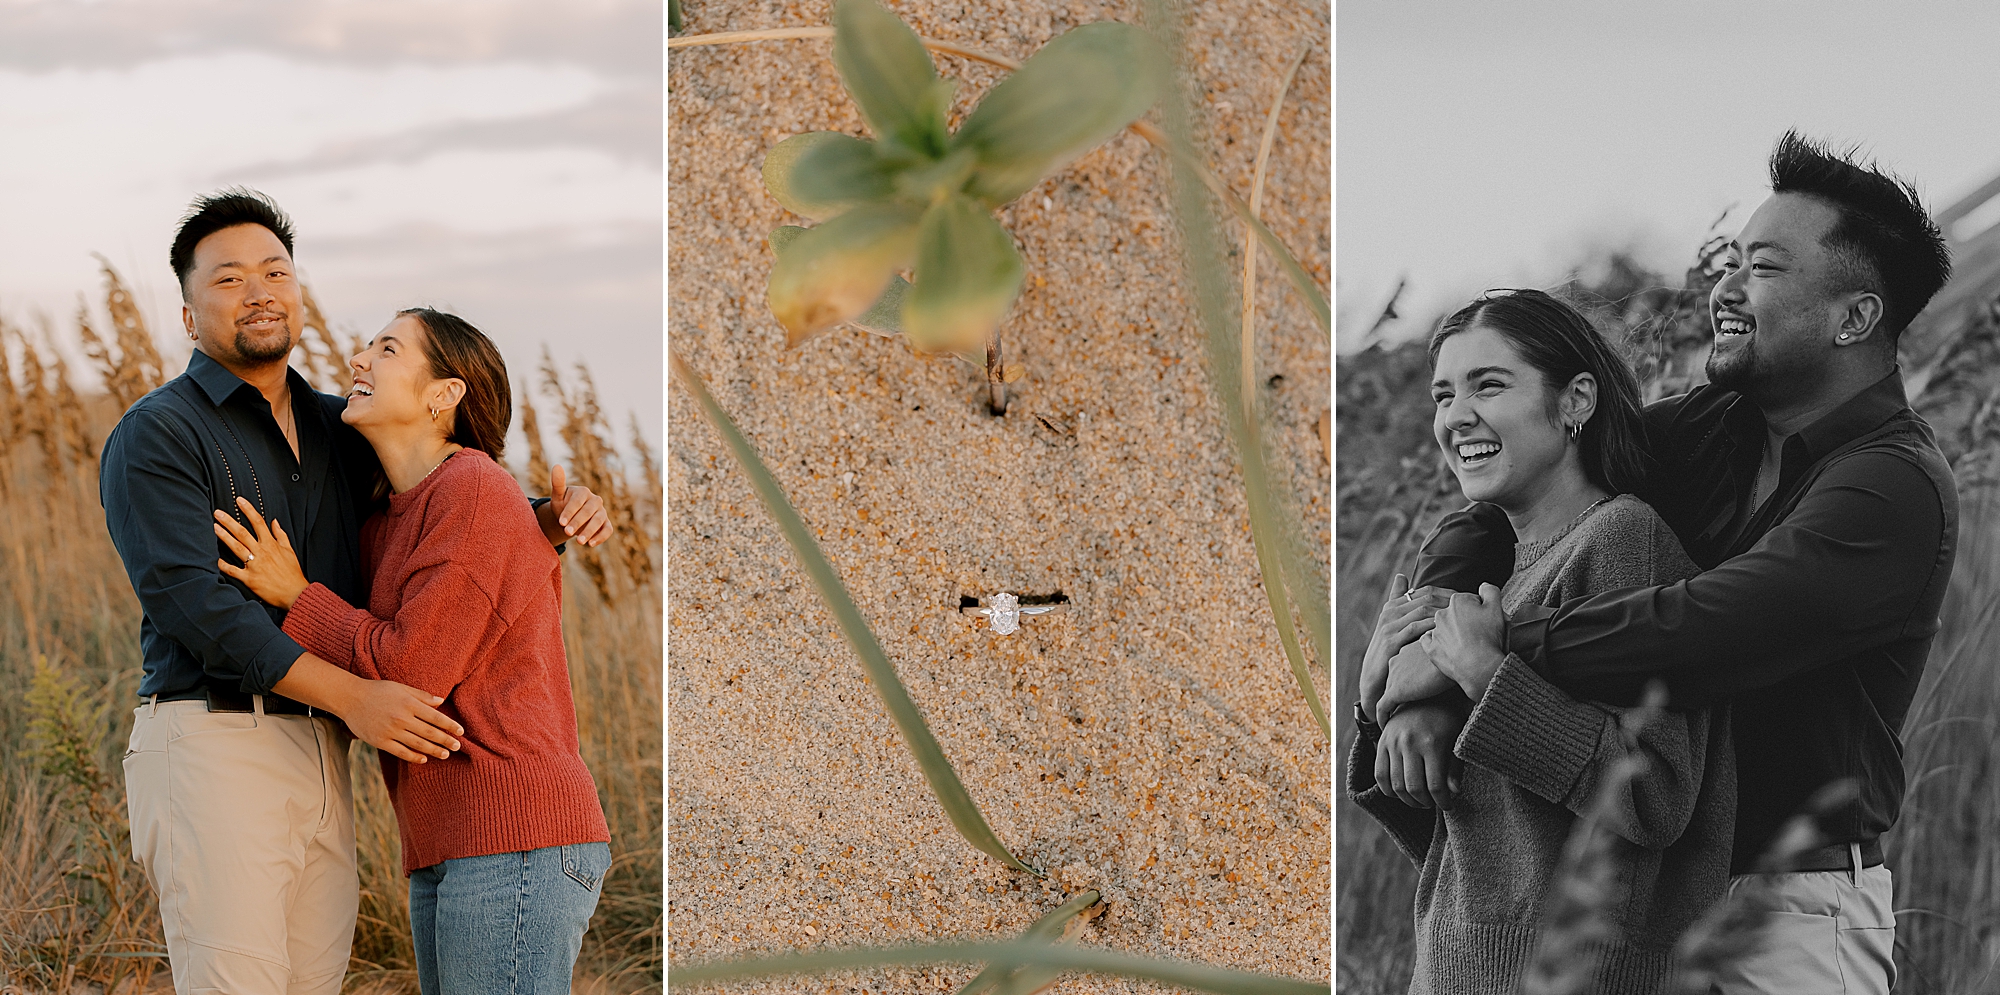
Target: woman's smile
x=1495, y=420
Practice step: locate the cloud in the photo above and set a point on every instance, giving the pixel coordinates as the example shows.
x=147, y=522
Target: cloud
x=617, y=37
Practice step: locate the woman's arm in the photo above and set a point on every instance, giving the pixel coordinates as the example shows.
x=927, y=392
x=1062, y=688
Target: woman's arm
x=444, y=619
x=1530, y=732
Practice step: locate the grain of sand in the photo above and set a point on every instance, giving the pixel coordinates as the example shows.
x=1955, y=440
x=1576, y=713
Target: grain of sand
x=1151, y=743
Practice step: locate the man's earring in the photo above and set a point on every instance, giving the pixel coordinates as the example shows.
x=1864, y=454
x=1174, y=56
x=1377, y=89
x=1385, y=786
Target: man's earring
x=1845, y=336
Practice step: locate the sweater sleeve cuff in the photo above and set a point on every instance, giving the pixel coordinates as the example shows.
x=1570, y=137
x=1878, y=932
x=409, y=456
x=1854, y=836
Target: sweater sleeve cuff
x=325, y=625
x=1527, y=731
x=1409, y=828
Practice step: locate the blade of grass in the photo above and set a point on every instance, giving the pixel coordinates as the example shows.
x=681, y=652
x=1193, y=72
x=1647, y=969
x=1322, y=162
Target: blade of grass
x=1301, y=281
x=1014, y=954
x=1047, y=929
x=1280, y=610
x=1250, y=237
x=1213, y=305
x=937, y=769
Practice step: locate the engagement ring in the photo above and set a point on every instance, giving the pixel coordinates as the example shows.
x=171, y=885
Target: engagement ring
x=1004, y=612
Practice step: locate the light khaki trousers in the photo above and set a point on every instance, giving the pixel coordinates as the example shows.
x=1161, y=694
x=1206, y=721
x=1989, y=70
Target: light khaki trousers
x=1829, y=933
x=244, y=824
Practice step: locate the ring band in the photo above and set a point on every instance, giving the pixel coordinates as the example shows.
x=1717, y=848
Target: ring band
x=1004, y=612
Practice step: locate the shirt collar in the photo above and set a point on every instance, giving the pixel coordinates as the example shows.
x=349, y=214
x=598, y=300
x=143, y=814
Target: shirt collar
x=1855, y=417
x=219, y=384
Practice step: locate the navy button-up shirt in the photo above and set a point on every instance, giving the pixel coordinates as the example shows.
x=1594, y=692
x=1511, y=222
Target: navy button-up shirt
x=191, y=447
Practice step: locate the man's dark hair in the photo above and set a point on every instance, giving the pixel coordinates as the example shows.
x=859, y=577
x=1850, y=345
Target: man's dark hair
x=1884, y=241
x=219, y=210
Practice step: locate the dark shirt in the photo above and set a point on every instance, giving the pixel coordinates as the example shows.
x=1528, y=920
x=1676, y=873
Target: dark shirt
x=1813, y=617
x=189, y=448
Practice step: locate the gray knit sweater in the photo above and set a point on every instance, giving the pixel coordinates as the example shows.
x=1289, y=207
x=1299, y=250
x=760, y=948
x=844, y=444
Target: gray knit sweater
x=1533, y=759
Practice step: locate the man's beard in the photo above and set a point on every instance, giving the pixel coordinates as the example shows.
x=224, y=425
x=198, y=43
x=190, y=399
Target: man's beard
x=271, y=350
x=1735, y=371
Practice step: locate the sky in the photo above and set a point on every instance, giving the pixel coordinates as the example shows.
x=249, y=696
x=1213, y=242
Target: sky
x=1481, y=145
x=498, y=159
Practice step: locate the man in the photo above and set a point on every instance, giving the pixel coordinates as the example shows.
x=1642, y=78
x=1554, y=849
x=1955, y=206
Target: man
x=1826, y=520
x=236, y=779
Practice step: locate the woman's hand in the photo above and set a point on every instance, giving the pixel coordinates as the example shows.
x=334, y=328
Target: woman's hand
x=270, y=569
x=1414, y=760
x=1405, y=616
x=1466, y=645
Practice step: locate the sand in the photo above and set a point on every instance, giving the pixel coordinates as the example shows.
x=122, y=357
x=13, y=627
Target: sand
x=1150, y=743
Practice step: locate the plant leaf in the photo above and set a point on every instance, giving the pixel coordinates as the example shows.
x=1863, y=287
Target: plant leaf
x=884, y=317
x=1012, y=955
x=968, y=275
x=1070, y=97
x=1048, y=929
x=791, y=180
x=889, y=75
x=936, y=768
x=842, y=170
x=832, y=273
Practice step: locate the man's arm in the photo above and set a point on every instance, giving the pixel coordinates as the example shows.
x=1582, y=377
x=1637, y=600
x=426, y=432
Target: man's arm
x=1469, y=547
x=398, y=720
x=157, y=508
x=1848, y=569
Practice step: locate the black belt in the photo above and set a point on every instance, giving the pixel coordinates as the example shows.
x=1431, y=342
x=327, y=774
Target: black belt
x=1837, y=857
x=220, y=699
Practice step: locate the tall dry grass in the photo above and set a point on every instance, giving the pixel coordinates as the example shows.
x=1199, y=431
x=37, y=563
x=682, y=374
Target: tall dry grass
x=1945, y=848
x=76, y=915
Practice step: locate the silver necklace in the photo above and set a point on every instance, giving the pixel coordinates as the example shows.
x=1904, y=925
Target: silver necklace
x=455, y=452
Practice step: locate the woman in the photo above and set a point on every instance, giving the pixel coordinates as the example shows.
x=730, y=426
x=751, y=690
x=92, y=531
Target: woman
x=504, y=843
x=1538, y=417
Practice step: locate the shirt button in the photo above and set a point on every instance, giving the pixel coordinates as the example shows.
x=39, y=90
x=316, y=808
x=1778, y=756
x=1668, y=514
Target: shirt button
x=295, y=477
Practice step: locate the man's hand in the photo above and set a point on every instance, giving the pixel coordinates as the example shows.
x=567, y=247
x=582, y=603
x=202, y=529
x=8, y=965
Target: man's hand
x=1468, y=643
x=401, y=721
x=1412, y=678
x=1404, y=617
x=1414, y=760
x=573, y=512
x=397, y=719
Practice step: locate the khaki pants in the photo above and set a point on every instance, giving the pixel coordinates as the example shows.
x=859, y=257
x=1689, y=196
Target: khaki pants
x=244, y=823
x=1830, y=933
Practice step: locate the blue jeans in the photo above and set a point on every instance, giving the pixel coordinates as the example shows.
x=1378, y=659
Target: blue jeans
x=505, y=923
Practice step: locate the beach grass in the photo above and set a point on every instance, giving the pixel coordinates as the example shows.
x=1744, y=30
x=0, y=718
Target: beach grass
x=76, y=914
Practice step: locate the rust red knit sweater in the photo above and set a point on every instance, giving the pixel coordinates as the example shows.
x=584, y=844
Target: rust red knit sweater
x=465, y=601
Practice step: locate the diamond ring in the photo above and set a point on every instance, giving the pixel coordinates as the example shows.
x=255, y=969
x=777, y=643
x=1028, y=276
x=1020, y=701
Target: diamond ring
x=1004, y=612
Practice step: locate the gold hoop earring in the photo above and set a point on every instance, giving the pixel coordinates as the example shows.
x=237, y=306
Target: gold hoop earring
x=434, y=414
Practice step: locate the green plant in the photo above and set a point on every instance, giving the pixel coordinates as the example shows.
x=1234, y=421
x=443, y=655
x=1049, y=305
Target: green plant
x=920, y=197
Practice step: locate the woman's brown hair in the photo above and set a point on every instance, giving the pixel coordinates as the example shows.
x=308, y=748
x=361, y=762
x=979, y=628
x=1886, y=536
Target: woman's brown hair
x=456, y=349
